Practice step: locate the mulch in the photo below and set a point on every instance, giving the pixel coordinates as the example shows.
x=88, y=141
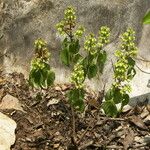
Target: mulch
x=47, y=120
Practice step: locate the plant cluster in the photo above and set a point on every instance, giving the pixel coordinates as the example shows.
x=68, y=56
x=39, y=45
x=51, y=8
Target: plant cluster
x=41, y=75
x=91, y=64
x=88, y=66
x=123, y=73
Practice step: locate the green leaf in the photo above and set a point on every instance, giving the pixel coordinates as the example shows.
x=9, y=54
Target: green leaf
x=65, y=43
x=101, y=59
x=50, y=78
x=74, y=47
x=85, y=64
x=117, y=96
x=91, y=58
x=92, y=71
x=43, y=78
x=35, y=78
x=109, y=95
x=131, y=62
x=76, y=97
x=77, y=57
x=146, y=19
x=110, y=108
x=125, y=100
x=64, y=55
x=131, y=73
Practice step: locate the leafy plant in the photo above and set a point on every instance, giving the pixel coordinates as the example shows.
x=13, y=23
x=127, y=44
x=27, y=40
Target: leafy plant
x=41, y=75
x=70, y=45
x=76, y=95
x=123, y=73
x=146, y=19
x=94, y=62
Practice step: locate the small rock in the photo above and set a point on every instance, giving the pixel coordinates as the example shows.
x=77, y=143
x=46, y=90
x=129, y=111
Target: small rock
x=10, y=102
x=7, y=132
x=52, y=102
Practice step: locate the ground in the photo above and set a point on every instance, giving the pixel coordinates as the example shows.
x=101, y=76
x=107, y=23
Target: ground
x=47, y=120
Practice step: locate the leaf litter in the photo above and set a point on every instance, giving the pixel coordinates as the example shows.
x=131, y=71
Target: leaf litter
x=46, y=122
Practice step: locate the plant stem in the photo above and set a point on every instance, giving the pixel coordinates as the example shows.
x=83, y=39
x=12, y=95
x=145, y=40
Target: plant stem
x=73, y=123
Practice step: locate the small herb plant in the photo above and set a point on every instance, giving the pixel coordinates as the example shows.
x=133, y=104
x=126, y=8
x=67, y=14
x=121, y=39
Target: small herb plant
x=123, y=73
x=70, y=45
x=41, y=75
x=146, y=19
x=76, y=95
x=96, y=57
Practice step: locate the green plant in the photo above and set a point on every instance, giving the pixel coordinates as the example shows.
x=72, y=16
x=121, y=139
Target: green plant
x=70, y=45
x=41, y=75
x=76, y=95
x=94, y=61
x=89, y=65
x=123, y=73
x=146, y=19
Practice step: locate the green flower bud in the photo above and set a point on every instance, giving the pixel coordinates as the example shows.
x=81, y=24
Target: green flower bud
x=79, y=32
x=77, y=76
x=90, y=44
x=104, y=34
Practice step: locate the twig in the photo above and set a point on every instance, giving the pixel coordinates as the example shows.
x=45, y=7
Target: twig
x=73, y=125
x=114, y=119
x=114, y=147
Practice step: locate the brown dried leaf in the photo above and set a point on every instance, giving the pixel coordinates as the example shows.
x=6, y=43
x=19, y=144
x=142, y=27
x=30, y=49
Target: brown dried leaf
x=129, y=138
x=138, y=122
x=94, y=103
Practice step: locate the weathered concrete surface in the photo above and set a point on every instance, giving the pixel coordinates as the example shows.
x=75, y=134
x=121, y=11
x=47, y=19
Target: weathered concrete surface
x=7, y=132
x=24, y=21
